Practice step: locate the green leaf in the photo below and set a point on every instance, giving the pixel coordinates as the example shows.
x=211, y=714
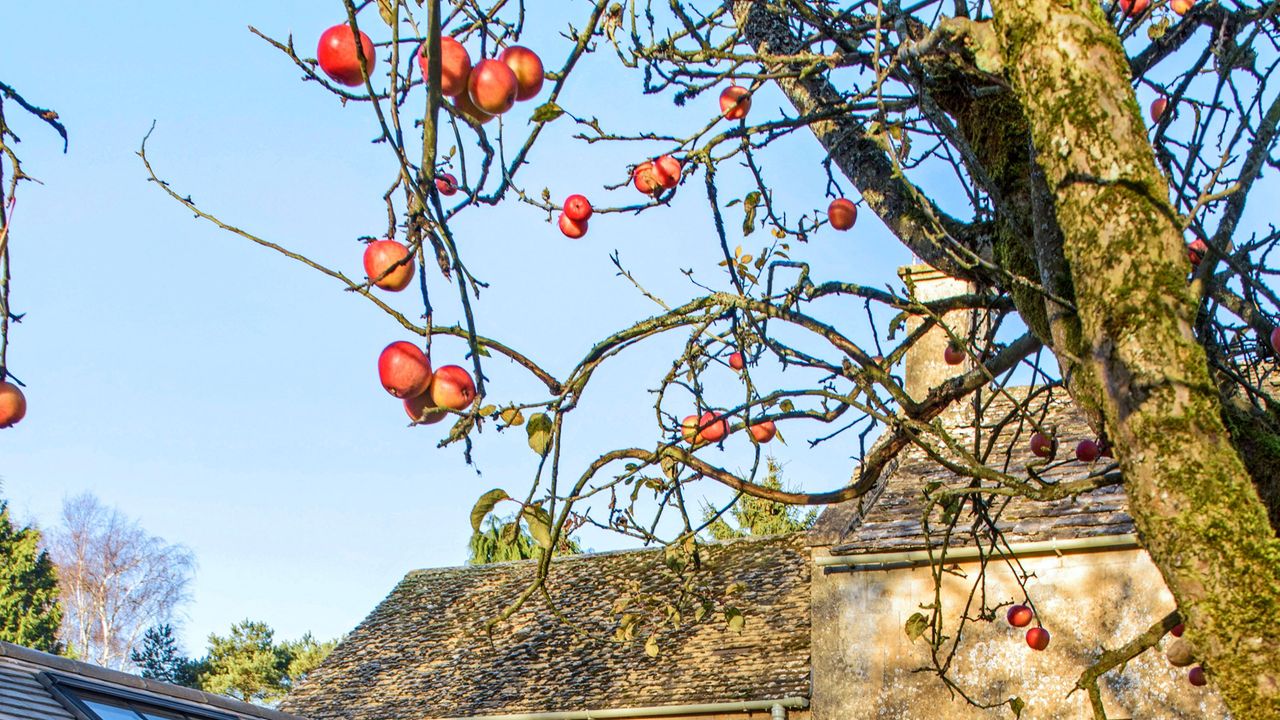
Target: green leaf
x=539, y=522
x=485, y=505
x=539, y=429
x=1017, y=706
x=734, y=618
x=916, y=626
x=786, y=406
x=749, y=205
x=651, y=646
x=546, y=113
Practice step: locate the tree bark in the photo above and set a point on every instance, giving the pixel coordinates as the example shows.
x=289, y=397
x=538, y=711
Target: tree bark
x=1196, y=509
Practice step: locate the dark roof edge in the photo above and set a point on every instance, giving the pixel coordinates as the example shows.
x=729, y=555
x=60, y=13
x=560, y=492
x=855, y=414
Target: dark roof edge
x=589, y=556
x=116, y=677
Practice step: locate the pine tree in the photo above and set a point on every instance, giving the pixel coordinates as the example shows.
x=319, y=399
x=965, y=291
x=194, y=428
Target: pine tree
x=159, y=658
x=30, y=614
x=246, y=664
x=757, y=517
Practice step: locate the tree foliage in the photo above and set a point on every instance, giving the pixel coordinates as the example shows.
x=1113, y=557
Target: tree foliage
x=158, y=657
x=758, y=517
x=506, y=539
x=30, y=614
x=248, y=664
x=116, y=579
x=1002, y=143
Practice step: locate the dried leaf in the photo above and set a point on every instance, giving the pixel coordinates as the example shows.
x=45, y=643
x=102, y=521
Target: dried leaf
x=387, y=11
x=539, y=522
x=651, y=646
x=916, y=626
x=539, y=429
x=512, y=416
x=547, y=112
x=749, y=205
x=735, y=620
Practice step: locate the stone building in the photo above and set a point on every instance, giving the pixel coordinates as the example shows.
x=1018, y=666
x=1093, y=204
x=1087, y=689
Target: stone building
x=824, y=612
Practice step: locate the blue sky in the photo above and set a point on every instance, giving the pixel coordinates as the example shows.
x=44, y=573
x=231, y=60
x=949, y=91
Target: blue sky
x=228, y=398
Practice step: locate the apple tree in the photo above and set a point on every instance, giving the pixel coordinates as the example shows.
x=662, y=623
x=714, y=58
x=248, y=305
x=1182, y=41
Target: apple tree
x=1106, y=255
x=13, y=404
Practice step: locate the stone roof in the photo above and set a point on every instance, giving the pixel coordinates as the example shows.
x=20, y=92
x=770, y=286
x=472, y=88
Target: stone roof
x=423, y=652
x=890, y=519
x=24, y=697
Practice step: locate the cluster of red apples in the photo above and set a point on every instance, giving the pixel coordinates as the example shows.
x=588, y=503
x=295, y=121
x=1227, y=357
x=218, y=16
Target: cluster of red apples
x=712, y=427
x=1021, y=616
x=653, y=177
x=405, y=371
x=480, y=92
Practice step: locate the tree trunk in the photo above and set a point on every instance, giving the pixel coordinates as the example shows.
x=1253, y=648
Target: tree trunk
x=1196, y=509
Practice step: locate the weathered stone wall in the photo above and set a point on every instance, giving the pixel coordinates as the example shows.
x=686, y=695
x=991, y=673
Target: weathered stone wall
x=863, y=661
x=924, y=364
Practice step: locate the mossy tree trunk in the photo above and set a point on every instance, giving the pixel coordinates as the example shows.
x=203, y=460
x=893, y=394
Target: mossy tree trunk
x=1192, y=498
x=1084, y=209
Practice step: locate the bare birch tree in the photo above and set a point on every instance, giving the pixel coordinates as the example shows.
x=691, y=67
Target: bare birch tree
x=116, y=579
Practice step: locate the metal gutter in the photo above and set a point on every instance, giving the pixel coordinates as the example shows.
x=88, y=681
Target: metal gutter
x=917, y=558
x=796, y=703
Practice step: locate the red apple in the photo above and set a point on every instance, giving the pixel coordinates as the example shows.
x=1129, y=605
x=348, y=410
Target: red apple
x=571, y=228
x=1087, y=451
x=1038, y=638
x=1133, y=8
x=713, y=427
x=468, y=109
x=1196, y=250
x=1275, y=341
x=646, y=179
x=447, y=184
x=464, y=105
x=492, y=86
x=1158, y=106
x=1196, y=677
x=668, y=171
x=1178, y=630
x=338, y=57
x=709, y=427
x=379, y=256
x=953, y=355
x=404, y=370
x=421, y=410
x=735, y=102
x=13, y=404
x=1019, y=616
x=736, y=362
x=455, y=66
x=577, y=208
x=452, y=387
x=842, y=213
x=527, y=67
x=763, y=432
x=1043, y=445
x=1182, y=7
x=689, y=429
